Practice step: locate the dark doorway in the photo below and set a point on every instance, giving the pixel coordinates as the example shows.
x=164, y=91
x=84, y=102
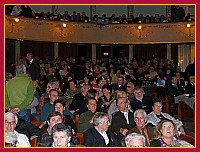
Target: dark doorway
x=81, y=51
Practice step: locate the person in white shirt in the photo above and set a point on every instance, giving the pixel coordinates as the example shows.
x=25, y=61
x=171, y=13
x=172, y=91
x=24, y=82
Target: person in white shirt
x=12, y=136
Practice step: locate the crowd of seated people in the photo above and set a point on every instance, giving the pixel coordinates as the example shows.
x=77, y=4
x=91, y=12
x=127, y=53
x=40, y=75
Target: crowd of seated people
x=108, y=106
x=26, y=11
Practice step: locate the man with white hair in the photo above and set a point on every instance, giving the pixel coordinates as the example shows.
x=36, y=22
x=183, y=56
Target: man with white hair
x=12, y=136
x=135, y=140
x=100, y=135
x=140, y=118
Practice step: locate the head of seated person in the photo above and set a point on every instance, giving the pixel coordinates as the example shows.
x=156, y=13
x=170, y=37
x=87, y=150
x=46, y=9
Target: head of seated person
x=61, y=135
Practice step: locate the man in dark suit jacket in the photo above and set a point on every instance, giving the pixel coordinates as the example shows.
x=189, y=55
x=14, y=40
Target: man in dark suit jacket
x=100, y=135
x=122, y=120
x=33, y=67
x=141, y=102
x=119, y=86
x=174, y=90
x=190, y=87
x=140, y=118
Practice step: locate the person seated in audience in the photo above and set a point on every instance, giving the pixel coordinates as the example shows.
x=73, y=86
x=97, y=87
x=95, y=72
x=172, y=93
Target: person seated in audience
x=140, y=118
x=152, y=72
x=166, y=135
x=134, y=140
x=59, y=106
x=141, y=101
x=85, y=120
x=122, y=120
x=45, y=96
x=52, y=74
x=113, y=107
x=105, y=101
x=130, y=91
x=49, y=107
x=45, y=138
x=58, y=87
x=12, y=136
x=101, y=84
x=190, y=87
x=114, y=79
x=157, y=115
x=61, y=135
x=100, y=135
x=103, y=76
x=119, y=86
x=174, y=90
x=71, y=92
x=180, y=79
x=78, y=101
x=160, y=86
x=35, y=102
x=64, y=71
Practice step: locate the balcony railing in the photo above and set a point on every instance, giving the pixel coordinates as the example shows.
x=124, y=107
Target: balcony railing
x=75, y=32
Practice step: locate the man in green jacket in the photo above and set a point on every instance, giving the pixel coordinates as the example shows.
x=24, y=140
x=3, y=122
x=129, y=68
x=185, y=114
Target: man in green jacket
x=19, y=93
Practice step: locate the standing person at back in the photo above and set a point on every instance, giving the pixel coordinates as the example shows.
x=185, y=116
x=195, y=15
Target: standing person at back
x=33, y=67
x=19, y=93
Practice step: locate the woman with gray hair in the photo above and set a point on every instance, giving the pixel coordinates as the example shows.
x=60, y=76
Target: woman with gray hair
x=100, y=134
x=61, y=135
x=13, y=138
x=135, y=140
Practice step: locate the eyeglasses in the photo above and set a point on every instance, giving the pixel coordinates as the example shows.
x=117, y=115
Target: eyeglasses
x=10, y=123
x=121, y=103
x=92, y=104
x=165, y=127
x=137, y=118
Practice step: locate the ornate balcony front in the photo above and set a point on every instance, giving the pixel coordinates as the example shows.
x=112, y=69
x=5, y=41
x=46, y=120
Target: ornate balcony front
x=78, y=32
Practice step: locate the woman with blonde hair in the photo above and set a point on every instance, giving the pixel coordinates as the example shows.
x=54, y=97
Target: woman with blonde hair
x=166, y=134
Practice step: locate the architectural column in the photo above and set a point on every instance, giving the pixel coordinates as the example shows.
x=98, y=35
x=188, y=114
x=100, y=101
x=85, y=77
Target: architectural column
x=55, y=11
x=168, y=11
x=92, y=11
x=94, y=52
x=169, y=51
x=130, y=10
x=17, y=51
x=192, y=53
x=184, y=55
x=56, y=50
x=130, y=52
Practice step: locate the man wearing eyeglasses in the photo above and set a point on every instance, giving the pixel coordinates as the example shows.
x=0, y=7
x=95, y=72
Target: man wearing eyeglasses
x=130, y=90
x=140, y=118
x=13, y=138
x=49, y=107
x=141, y=101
